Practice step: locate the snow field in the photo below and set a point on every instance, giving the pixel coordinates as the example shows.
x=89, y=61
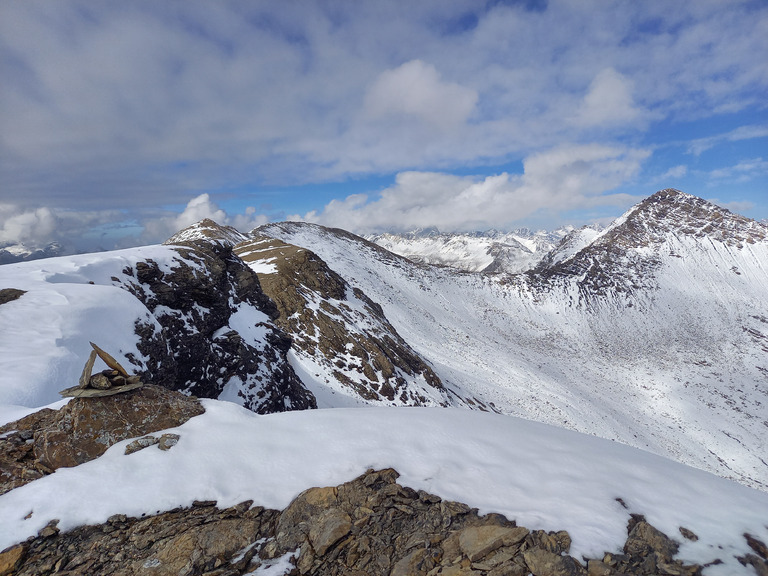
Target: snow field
x=541, y=476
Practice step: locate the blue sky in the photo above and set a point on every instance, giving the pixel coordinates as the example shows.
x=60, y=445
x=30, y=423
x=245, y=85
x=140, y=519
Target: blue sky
x=121, y=122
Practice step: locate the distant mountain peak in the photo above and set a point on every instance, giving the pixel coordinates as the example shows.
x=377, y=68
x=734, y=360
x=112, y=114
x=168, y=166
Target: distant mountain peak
x=671, y=211
x=210, y=231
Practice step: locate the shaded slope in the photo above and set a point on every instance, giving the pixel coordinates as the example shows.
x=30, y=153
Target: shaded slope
x=341, y=338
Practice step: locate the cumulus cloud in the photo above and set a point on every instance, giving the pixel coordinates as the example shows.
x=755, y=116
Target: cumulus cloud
x=560, y=179
x=609, y=101
x=416, y=90
x=35, y=228
x=198, y=208
x=91, y=231
x=133, y=105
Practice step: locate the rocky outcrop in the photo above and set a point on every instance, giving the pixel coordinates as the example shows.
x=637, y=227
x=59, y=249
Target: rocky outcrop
x=197, y=540
x=366, y=527
x=339, y=328
x=10, y=294
x=196, y=349
x=82, y=430
x=623, y=258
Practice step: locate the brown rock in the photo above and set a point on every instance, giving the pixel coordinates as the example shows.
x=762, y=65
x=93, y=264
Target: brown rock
x=543, y=563
x=330, y=527
x=688, y=534
x=168, y=441
x=100, y=382
x=85, y=428
x=644, y=539
x=478, y=541
x=11, y=558
x=757, y=545
x=109, y=360
x=598, y=568
x=140, y=444
x=85, y=377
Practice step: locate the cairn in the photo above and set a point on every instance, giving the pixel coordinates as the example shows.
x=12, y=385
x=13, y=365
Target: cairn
x=114, y=380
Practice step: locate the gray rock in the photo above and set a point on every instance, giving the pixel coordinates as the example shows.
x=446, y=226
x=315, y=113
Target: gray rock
x=140, y=444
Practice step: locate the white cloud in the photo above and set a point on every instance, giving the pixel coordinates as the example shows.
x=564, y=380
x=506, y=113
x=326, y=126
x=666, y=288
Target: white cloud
x=132, y=105
x=673, y=173
x=560, y=179
x=35, y=228
x=608, y=102
x=700, y=145
x=91, y=231
x=198, y=208
x=741, y=172
x=416, y=90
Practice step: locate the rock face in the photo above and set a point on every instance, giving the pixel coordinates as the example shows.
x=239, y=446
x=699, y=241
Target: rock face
x=366, y=527
x=338, y=330
x=216, y=330
x=623, y=258
x=83, y=430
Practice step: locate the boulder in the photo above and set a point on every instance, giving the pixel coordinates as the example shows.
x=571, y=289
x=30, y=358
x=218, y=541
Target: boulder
x=83, y=430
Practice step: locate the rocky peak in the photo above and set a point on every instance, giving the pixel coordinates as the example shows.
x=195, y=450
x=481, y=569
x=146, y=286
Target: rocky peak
x=674, y=212
x=624, y=257
x=209, y=231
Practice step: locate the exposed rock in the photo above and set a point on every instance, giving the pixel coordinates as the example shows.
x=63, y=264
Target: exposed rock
x=140, y=444
x=339, y=327
x=168, y=441
x=11, y=558
x=10, y=294
x=757, y=545
x=365, y=527
x=645, y=539
x=478, y=541
x=196, y=540
x=544, y=563
x=196, y=350
x=83, y=430
x=688, y=534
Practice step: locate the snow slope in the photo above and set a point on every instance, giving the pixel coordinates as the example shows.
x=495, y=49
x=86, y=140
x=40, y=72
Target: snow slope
x=541, y=476
x=676, y=366
x=69, y=301
x=490, y=251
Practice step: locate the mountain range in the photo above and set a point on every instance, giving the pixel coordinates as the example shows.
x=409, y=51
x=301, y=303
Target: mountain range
x=651, y=332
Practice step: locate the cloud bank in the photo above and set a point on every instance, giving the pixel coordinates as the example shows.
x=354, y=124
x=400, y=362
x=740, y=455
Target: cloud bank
x=112, y=111
x=558, y=180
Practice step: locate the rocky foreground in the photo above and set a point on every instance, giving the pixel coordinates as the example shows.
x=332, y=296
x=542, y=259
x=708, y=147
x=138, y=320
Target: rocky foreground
x=369, y=526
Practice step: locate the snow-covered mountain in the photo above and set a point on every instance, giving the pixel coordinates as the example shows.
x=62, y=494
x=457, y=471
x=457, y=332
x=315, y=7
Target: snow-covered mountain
x=489, y=252
x=652, y=332
x=19, y=252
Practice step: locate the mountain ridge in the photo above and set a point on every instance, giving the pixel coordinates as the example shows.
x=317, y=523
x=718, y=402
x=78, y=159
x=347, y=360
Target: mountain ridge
x=608, y=337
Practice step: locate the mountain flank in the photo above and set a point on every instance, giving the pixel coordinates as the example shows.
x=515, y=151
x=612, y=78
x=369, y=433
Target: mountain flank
x=338, y=330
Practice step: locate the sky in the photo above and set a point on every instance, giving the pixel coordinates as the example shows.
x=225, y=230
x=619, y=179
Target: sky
x=122, y=122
